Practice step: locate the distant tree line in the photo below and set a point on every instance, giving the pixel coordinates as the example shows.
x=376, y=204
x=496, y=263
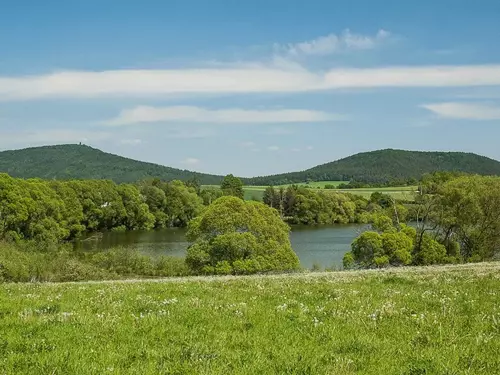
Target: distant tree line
x=385, y=168
x=300, y=205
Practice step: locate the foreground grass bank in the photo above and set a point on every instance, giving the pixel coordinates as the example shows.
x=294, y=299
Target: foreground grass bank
x=434, y=320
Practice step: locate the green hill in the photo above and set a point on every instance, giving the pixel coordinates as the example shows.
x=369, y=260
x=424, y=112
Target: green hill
x=387, y=165
x=84, y=162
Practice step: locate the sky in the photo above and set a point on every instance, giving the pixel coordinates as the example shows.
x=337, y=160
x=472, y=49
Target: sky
x=250, y=87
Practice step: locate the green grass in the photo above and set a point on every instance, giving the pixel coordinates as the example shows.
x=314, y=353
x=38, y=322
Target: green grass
x=435, y=320
x=312, y=185
x=398, y=192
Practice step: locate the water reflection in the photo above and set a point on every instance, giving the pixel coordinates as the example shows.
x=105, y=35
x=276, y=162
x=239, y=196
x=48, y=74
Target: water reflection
x=322, y=245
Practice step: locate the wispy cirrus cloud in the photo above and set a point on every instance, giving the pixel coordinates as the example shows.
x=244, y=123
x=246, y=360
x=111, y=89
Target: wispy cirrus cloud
x=465, y=111
x=238, y=80
x=131, y=142
x=51, y=136
x=333, y=43
x=192, y=114
x=191, y=161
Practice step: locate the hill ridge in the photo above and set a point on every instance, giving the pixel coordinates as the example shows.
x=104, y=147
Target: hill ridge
x=79, y=161
x=385, y=165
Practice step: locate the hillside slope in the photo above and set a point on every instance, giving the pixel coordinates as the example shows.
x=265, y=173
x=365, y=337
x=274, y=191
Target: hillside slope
x=84, y=162
x=387, y=165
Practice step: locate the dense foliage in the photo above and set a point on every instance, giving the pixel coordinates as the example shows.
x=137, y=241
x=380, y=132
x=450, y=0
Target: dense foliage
x=299, y=205
x=65, y=162
x=232, y=185
x=53, y=211
x=457, y=220
x=396, y=167
x=233, y=236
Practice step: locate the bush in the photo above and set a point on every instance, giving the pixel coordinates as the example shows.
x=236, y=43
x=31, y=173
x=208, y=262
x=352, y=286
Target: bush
x=382, y=261
x=249, y=236
x=366, y=247
x=348, y=260
x=223, y=268
x=430, y=251
x=382, y=223
x=397, y=247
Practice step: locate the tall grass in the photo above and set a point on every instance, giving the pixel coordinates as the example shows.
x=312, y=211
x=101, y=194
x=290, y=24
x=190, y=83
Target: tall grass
x=27, y=262
x=435, y=320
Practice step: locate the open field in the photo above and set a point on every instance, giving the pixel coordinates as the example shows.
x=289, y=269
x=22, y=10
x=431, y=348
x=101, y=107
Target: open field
x=434, y=320
x=397, y=192
x=400, y=193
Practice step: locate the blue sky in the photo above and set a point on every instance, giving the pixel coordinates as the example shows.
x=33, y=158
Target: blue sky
x=250, y=88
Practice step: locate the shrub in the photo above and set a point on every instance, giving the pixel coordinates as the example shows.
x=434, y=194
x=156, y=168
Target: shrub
x=348, y=260
x=366, y=247
x=249, y=236
x=382, y=223
x=223, y=268
x=397, y=247
x=381, y=261
x=430, y=251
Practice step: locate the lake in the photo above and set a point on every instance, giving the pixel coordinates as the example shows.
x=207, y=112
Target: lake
x=321, y=245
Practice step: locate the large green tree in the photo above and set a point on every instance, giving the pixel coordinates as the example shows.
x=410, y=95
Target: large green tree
x=468, y=212
x=237, y=236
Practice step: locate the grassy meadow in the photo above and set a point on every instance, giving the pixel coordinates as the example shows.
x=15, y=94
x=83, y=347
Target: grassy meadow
x=398, y=192
x=434, y=320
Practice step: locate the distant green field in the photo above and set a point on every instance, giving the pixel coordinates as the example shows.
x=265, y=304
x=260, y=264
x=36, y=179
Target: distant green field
x=313, y=185
x=407, y=195
x=397, y=192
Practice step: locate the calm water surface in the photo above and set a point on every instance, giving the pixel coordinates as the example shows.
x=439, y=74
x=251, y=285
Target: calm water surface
x=321, y=245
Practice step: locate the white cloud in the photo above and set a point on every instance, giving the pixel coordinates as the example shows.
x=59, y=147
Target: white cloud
x=332, y=43
x=51, y=136
x=309, y=148
x=131, y=142
x=233, y=80
x=273, y=148
x=188, y=133
x=191, y=161
x=295, y=150
x=280, y=130
x=223, y=116
x=465, y=111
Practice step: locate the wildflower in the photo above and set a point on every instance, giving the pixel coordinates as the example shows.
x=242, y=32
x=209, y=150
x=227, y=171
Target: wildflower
x=282, y=307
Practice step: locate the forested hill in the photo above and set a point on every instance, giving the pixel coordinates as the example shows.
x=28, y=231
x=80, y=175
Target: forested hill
x=383, y=166
x=84, y=162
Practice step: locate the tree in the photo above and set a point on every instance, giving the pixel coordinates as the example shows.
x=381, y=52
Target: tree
x=194, y=183
x=155, y=199
x=137, y=211
x=430, y=252
x=210, y=194
x=469, y=212
x=397, y=247
x=183, y=204
x=232, y=185
x=237, y=236
x=366, y=248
